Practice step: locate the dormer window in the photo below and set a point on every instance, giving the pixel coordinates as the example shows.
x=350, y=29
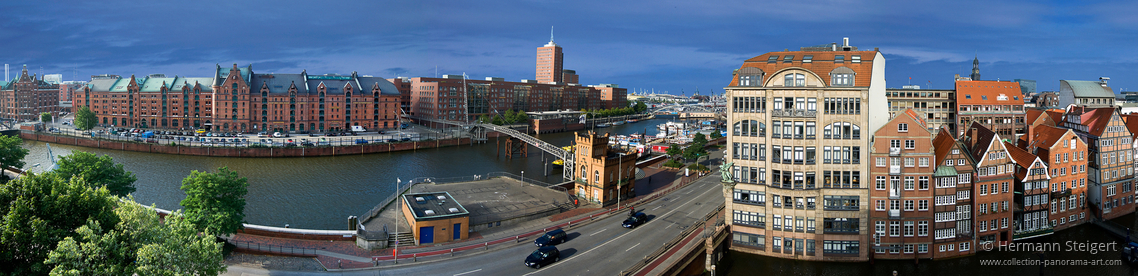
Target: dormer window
x=788, y=58
x=839, y=59
x=772, y=59
x=807, y=58
x=855, y=59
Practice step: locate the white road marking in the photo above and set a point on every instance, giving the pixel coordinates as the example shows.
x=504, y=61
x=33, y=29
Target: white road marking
x=630, y=248
x=618, y=237
x=468, y=272
x=657, y=207
x=598, y=232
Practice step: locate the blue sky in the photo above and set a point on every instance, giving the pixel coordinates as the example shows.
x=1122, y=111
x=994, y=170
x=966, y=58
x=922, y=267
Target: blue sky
x=664, y=45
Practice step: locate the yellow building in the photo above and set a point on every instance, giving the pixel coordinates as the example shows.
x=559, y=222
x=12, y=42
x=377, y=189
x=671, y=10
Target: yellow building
x=603, y=173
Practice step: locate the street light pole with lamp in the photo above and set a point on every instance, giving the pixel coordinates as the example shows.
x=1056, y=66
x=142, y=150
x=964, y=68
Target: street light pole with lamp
x=26, y=170
x=523, y=179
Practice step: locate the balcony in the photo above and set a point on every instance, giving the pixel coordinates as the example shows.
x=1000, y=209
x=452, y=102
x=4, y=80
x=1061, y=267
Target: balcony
x=895, y=193
x=796, y=113
x=895, y=170
x=893, y=214
x=894, y=151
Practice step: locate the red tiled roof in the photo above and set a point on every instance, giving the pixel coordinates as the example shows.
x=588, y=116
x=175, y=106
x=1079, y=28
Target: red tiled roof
x=916, y=117
x=988, y=93
x=1056, y=115
x=822, y=63
x=983, y=139
x=943, y=143
x=1096, y=119
x=1046, y=136
x=1020, y=156
x=1131, y=123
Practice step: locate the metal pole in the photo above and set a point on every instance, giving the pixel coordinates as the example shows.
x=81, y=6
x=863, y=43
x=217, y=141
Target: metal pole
x=399, y=210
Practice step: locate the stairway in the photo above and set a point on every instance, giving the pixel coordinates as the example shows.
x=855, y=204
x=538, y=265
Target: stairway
x=405, y=239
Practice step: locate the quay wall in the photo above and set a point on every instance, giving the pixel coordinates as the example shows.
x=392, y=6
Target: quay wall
x=241, y=151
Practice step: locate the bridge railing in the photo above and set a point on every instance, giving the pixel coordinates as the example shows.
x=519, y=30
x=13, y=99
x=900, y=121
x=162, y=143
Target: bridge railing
x=698, y=225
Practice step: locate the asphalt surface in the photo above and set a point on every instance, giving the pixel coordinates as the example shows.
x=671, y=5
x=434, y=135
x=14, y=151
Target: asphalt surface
x=600, y=248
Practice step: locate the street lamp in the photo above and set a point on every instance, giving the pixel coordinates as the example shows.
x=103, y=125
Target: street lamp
x=523, y=178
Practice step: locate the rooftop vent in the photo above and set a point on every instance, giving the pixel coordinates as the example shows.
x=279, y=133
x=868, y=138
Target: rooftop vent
x=1102, y=80
x=453, y=210
x=419, y=199
x=429, y=212
x=442, y=197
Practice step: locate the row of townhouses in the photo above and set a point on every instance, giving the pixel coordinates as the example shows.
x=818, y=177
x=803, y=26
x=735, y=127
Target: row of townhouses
x=830, y=165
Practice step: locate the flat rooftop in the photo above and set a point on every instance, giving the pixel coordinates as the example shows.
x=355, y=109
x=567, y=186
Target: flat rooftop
x=426, y=206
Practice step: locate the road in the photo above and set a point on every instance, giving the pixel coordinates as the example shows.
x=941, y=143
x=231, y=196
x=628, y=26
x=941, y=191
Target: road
x=599, y=248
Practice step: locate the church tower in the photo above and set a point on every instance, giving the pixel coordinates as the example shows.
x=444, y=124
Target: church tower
x=976, y=68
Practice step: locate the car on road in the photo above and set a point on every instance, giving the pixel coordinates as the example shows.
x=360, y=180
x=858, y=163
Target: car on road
x=262, y=134
x=635, y=220
x=277, y=135
x=361, y=141
x=543, y=256
x=555, y=237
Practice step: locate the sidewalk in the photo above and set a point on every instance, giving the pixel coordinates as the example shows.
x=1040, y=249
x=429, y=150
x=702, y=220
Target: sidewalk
x=336, y=255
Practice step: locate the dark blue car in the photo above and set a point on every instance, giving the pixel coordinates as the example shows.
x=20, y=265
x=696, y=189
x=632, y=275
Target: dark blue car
x=554, y=237
x=635, y=220
x=543, y=256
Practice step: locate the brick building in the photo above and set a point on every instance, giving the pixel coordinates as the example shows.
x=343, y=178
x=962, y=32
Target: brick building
x=435, y=217
x=953, y=230
x=550, y=63
x=998, y=105
x=68, y=89
x=993, y=185
x=612, y=96
x=24, y=98
x=902, y=193
x=1033, y=194
x=798, y=189
x=1066, y=156
x=1110, y=159
x=605, y=174
x=239, y=100
x=454, y=98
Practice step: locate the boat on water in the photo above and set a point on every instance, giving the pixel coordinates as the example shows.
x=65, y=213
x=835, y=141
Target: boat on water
x=604, y=125
x=617, y=123
x=632, y=121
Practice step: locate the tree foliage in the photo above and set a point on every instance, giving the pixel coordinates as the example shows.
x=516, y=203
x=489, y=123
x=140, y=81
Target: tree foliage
x=639, y=107
x=215, y=202
x=12, y=152
x=140, y=244
x=673, y=150
x=98, y=171
x=85, y=119
x=715, y=135
x=45, y=117
x=699, y=139
x=41, y=210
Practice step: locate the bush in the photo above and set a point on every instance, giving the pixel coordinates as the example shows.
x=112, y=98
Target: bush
x=697, y=167
x=673, y=164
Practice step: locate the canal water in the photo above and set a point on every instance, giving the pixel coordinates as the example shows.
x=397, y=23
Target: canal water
x=735, y=263
x=321, y=192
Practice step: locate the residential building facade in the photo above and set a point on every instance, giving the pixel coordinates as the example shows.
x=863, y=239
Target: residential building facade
x=1110, y=159
x=1092, y=94
x=997, y=105
x=1032, y=194
x=800, y=153
x=993, y=185
x=1065, y=154
x=953, y=229
x=902, y=192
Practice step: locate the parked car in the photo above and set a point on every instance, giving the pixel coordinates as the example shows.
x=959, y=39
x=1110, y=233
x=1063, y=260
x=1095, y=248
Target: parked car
x=277, y=135
x=635, y=220
x=555, y=237
x=361, y=141
x=262, y=134
x=543, y=256
x=307, y=144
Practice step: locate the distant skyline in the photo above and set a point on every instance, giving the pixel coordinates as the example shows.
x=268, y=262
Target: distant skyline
x=663, y=45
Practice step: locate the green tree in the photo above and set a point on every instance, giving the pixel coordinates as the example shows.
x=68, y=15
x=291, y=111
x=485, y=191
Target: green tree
x=484, y=119
x=521, y=117
x=640, y=107
x=140, y=243
x=715, y=134
x=40, y=210
x=12, y=152
x=98, y=171
x=45, y=117
x=673, y=150
x=85, y=119
x=215, y=202
x=694, y=151
x=699, y=139
x=508, y=118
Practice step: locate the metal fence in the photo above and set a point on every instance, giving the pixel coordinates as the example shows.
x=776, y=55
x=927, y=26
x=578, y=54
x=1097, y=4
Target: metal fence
x=455, y=179
x=274, y=249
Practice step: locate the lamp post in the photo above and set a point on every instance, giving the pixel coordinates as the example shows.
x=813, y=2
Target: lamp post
x=619, y=177
x=523, y=178
x=399, y=210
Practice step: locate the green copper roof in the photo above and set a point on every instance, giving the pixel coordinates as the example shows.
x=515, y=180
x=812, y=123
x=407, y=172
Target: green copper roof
x=1088, y=89
x=942, y=171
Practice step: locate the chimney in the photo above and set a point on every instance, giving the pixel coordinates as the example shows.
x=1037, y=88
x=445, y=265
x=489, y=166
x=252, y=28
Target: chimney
x=845, y=42
x=833, y=47
x=1102, y=80
x=972, y=137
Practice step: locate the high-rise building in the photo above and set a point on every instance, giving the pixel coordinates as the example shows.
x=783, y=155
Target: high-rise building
x=937, y=107
x=1026, y=86
x=797, y=187
x=550, y=63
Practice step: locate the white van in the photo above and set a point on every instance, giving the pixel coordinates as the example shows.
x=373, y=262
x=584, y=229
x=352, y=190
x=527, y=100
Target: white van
x=358, y=129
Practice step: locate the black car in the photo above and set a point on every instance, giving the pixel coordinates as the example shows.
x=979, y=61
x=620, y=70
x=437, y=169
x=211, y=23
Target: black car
x=554, y=237
x=635, y=220
x=543, y=256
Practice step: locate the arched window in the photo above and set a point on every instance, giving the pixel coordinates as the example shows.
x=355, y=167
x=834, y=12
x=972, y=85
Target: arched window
x=794, y=79
x=841, y=130
x=596, y=177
